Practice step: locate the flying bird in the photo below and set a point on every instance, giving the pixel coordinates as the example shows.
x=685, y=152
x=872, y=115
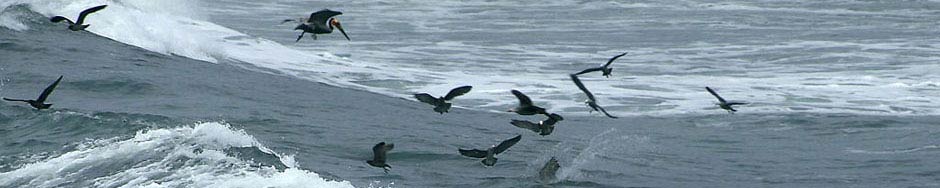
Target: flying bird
x=591, y=101
x=440, y=104
x=525, y=105
x=39, y=103
x=724, y=104
x=77, y=25
x=320, y=22
x=378, y=156
x=544, y=127
x=488, y=155
x=605, y=68
x=547, y=173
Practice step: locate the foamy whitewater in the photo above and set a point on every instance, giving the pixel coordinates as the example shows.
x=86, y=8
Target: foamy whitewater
x=188, y=156
x=216, y=93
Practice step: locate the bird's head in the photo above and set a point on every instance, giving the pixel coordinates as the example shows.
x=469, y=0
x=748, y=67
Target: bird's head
x=334, y=23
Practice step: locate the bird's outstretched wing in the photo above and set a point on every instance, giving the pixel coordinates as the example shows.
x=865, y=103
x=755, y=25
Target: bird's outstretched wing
x=589, y=70
x=48, y=90
x=457, y=92
x=523, y=100
x=19, y=100
x=379, y=151
x=503, y=146
x=580, y=85
x=84, y=13
x=722, y=100
x=614, y=58
x=58, y=19
x=736, y=103
x=526, y=125
x=475, y=153
x=322, y=16
x=552, y=119
x=605, y=111
x=426, y=98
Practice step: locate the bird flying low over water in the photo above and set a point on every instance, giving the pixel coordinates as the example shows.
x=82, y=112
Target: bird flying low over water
x=525, y=105
x=39, y=103
x=591, y=101
x=320, y=22
x=724, y=104
x=77, y=25
x=605, y=68
x=544, y=127
x=547, y=173
x=378, y=156
x=488, y=155
x=440, y=104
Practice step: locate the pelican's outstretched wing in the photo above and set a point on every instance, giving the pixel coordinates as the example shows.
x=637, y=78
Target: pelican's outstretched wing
x=426, y=98
x=57, y=19
x=526, y=125
x=84, y=13
x=503, y=146
x=614, y=58
x=48, y=90
x=475, y=153
x=457, y=92
x=580, y=85
x=320, y=17
x=379, y=151
x=722, y=100
x=523, y=99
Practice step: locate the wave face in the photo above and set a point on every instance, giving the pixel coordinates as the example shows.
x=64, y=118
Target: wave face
x=192, y=101
x=805, y=56
x=187, y=156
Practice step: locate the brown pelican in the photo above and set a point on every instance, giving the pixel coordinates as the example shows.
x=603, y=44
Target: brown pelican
x=321, y=22
x=591, y=102
x=39, y=102
x=488, y=154
x=547, y=173
x=440, y=104
x=605, y=68
x=525, y=105
x=77, y=25
x=378, y=156
x=724, y=104
x=544, y=127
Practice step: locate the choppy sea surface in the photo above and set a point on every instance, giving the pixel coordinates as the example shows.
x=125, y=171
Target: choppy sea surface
x=216, y=93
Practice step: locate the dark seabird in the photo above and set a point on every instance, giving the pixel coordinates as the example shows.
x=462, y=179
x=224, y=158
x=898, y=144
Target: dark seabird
x=724, y=104
x=321, y=22
x=605, y=68
x=378, y=156
x=591, y=102
x=547, y=173
x=544, y=127
x=77, y=25
x=488, y=155
x=39, y=102
x=440, y=104
x=525, y=105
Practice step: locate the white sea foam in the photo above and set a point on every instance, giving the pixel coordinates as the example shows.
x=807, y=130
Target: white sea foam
x=781, y=76
x=188, y=156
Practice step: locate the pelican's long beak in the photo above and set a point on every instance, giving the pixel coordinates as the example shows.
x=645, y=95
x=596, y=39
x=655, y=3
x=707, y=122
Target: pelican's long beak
x=339, y=26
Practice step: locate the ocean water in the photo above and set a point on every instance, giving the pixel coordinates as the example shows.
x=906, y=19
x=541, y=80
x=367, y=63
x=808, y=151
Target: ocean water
x=216, y=93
